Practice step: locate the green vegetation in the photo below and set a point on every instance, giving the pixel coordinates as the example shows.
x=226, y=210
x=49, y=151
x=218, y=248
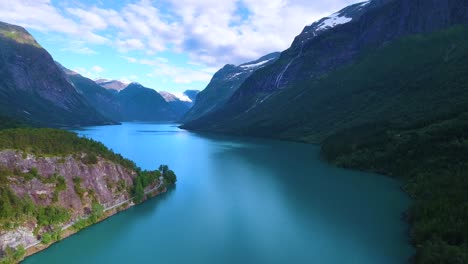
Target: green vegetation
x=97, y=212
x=90, y=159
x=15, y=211
x=60, y=185
x=52, y=215
x=54, y=142
x=13, y=256
x=432, y=160
x=168, y=175
x=79, y=190
x=18, y=36
x=147, y=178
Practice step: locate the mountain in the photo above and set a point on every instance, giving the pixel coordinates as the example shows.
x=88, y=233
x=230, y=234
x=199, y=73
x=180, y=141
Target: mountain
x=33, y=88
x=102, y=99
x=383, y=89
x=223, y=85
x=139, y=103
x=301, y=97
x=112, y=85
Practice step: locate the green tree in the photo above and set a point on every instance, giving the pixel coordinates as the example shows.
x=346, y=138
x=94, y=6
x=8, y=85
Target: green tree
x=139, y=192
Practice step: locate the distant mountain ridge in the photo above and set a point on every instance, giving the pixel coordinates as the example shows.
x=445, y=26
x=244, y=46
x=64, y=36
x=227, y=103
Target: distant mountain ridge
x=114, y=85
x=132, y=103
x=140, y=103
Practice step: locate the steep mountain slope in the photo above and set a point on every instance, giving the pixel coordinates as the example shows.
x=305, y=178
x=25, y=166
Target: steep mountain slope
x=33, y=88
x=6, y=122
x=223, y=84
x=272, y=101
x=104, y=101
x=139, y=103
x=112, y=85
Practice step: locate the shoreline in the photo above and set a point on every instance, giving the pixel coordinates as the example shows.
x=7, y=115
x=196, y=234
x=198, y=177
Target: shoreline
x=68, y=230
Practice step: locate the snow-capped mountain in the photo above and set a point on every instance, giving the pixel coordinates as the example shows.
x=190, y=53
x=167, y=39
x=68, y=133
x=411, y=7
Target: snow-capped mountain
x=223, y=84
x=114, y=85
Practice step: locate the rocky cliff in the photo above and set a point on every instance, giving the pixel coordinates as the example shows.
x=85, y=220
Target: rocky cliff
x=105, y=183
x=54, y=183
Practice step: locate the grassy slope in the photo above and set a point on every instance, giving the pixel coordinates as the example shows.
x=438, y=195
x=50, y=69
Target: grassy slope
x=405, y=114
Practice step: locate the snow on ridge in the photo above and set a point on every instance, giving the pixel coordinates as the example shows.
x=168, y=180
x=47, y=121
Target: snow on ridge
x=235, y=75
x=333, y=21
x=182, y=97
x=248, y=66
x=365, y=3
x=171, y=97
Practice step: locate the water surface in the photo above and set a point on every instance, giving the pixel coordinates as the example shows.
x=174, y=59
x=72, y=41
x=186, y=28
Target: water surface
x=241, y=200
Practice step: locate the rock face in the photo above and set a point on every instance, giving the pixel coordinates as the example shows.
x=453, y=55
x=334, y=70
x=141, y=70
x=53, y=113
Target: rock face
x=321, y=49
x=104, y=182
x=102, y=178
x=224, y=84
x=33, y=88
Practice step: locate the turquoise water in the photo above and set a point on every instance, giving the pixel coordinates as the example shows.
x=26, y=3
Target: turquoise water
x=241, y=200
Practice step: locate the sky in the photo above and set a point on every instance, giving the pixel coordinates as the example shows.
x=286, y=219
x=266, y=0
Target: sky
x=167, y=45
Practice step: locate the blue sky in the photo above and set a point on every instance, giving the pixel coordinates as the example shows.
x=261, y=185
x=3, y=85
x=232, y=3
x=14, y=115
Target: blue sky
x=167, y=45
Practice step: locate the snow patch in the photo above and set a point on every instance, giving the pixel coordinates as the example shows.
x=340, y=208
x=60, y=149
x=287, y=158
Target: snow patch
x=255, y=65
x=333, y=21
x=365, y=3
x=235, y=75
x=182, y=97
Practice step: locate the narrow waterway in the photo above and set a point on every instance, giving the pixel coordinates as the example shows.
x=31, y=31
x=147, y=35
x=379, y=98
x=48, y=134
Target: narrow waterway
x=241, y=200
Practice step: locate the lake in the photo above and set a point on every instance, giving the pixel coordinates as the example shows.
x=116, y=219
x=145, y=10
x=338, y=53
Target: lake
x=242, y=200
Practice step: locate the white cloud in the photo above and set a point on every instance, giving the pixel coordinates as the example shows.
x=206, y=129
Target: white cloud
x=97, y=69
x=91, y=73
x=80, y=50
x=210, y=32
x=129, y=59
x=161, y=68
